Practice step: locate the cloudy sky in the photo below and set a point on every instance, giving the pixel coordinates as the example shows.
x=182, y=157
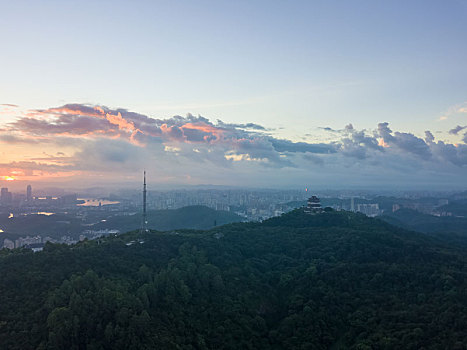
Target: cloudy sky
x=245, y=93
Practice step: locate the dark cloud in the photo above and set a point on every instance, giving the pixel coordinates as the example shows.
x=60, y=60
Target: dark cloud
x=63, y=124
x=353, y=149
x=97, y=122
x=199, y=135
x=456, y=155
x=457, y=129
x=251, y=126
x=8, y=105
x=174, y=132
x=74, y=109
x=404, y=141
x=281, y=145
x=261, y=149
x=357, y=144
x=120, y=141
x=429, y=138
x=137, y=118
x=384, y=130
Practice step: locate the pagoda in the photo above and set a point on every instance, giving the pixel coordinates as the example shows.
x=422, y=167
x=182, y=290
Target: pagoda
x=313, y=205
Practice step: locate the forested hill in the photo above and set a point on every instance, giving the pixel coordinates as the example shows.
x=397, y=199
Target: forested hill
x=440, y=225
x=334, y=280
x=195, y=217
x=297, y=219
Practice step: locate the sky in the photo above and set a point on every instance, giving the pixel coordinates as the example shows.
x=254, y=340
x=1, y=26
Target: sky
x=241, y=93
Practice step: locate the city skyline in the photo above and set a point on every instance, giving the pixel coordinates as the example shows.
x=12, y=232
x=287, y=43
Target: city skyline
x=252, y=94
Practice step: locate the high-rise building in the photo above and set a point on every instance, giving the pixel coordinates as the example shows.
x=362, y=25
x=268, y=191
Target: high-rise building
x=371, y=210
x=29, y=193
x=5, y=196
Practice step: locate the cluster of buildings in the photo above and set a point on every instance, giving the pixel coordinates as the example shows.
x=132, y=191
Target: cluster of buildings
x=21, y=200
x=27, y=241
x=253, y=205
x=71, y=213
x=371, y=209
x=6, y=197
x=435, y=208
x=37, y=242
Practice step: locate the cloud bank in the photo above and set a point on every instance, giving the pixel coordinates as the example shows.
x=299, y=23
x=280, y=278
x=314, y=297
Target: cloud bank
x=109, y=143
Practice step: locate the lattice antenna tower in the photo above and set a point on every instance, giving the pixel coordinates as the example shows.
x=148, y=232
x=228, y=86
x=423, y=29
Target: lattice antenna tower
x=144, y=223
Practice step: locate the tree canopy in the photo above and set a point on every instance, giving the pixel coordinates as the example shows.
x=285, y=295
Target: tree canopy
x=332, y=280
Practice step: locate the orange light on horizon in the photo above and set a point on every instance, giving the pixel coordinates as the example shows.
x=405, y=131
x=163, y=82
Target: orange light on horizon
x=9, y=178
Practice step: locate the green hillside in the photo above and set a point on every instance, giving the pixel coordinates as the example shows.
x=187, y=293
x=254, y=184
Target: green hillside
x=195, y=217
x=335, y=280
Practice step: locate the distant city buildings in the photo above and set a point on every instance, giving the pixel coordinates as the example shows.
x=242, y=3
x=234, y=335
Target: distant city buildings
x=76, y=219
x=88, y=215
x=29, y=193
x=69, y=199
x=38, y=241
x=435, y=207
x=370, y=210
x=8, y=243
x=6, y=197
x=23, y=241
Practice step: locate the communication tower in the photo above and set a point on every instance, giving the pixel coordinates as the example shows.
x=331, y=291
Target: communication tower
x=144, y=223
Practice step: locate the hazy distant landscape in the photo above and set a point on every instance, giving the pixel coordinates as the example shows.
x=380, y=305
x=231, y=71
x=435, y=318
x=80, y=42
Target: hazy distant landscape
x=64, y=219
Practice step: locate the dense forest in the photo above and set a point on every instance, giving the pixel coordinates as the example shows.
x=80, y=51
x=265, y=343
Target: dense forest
x=335, y=280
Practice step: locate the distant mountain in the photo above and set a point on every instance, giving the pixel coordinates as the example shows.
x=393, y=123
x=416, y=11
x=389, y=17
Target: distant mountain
x=335, y=280
x=414, y=220
x=456, y=207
